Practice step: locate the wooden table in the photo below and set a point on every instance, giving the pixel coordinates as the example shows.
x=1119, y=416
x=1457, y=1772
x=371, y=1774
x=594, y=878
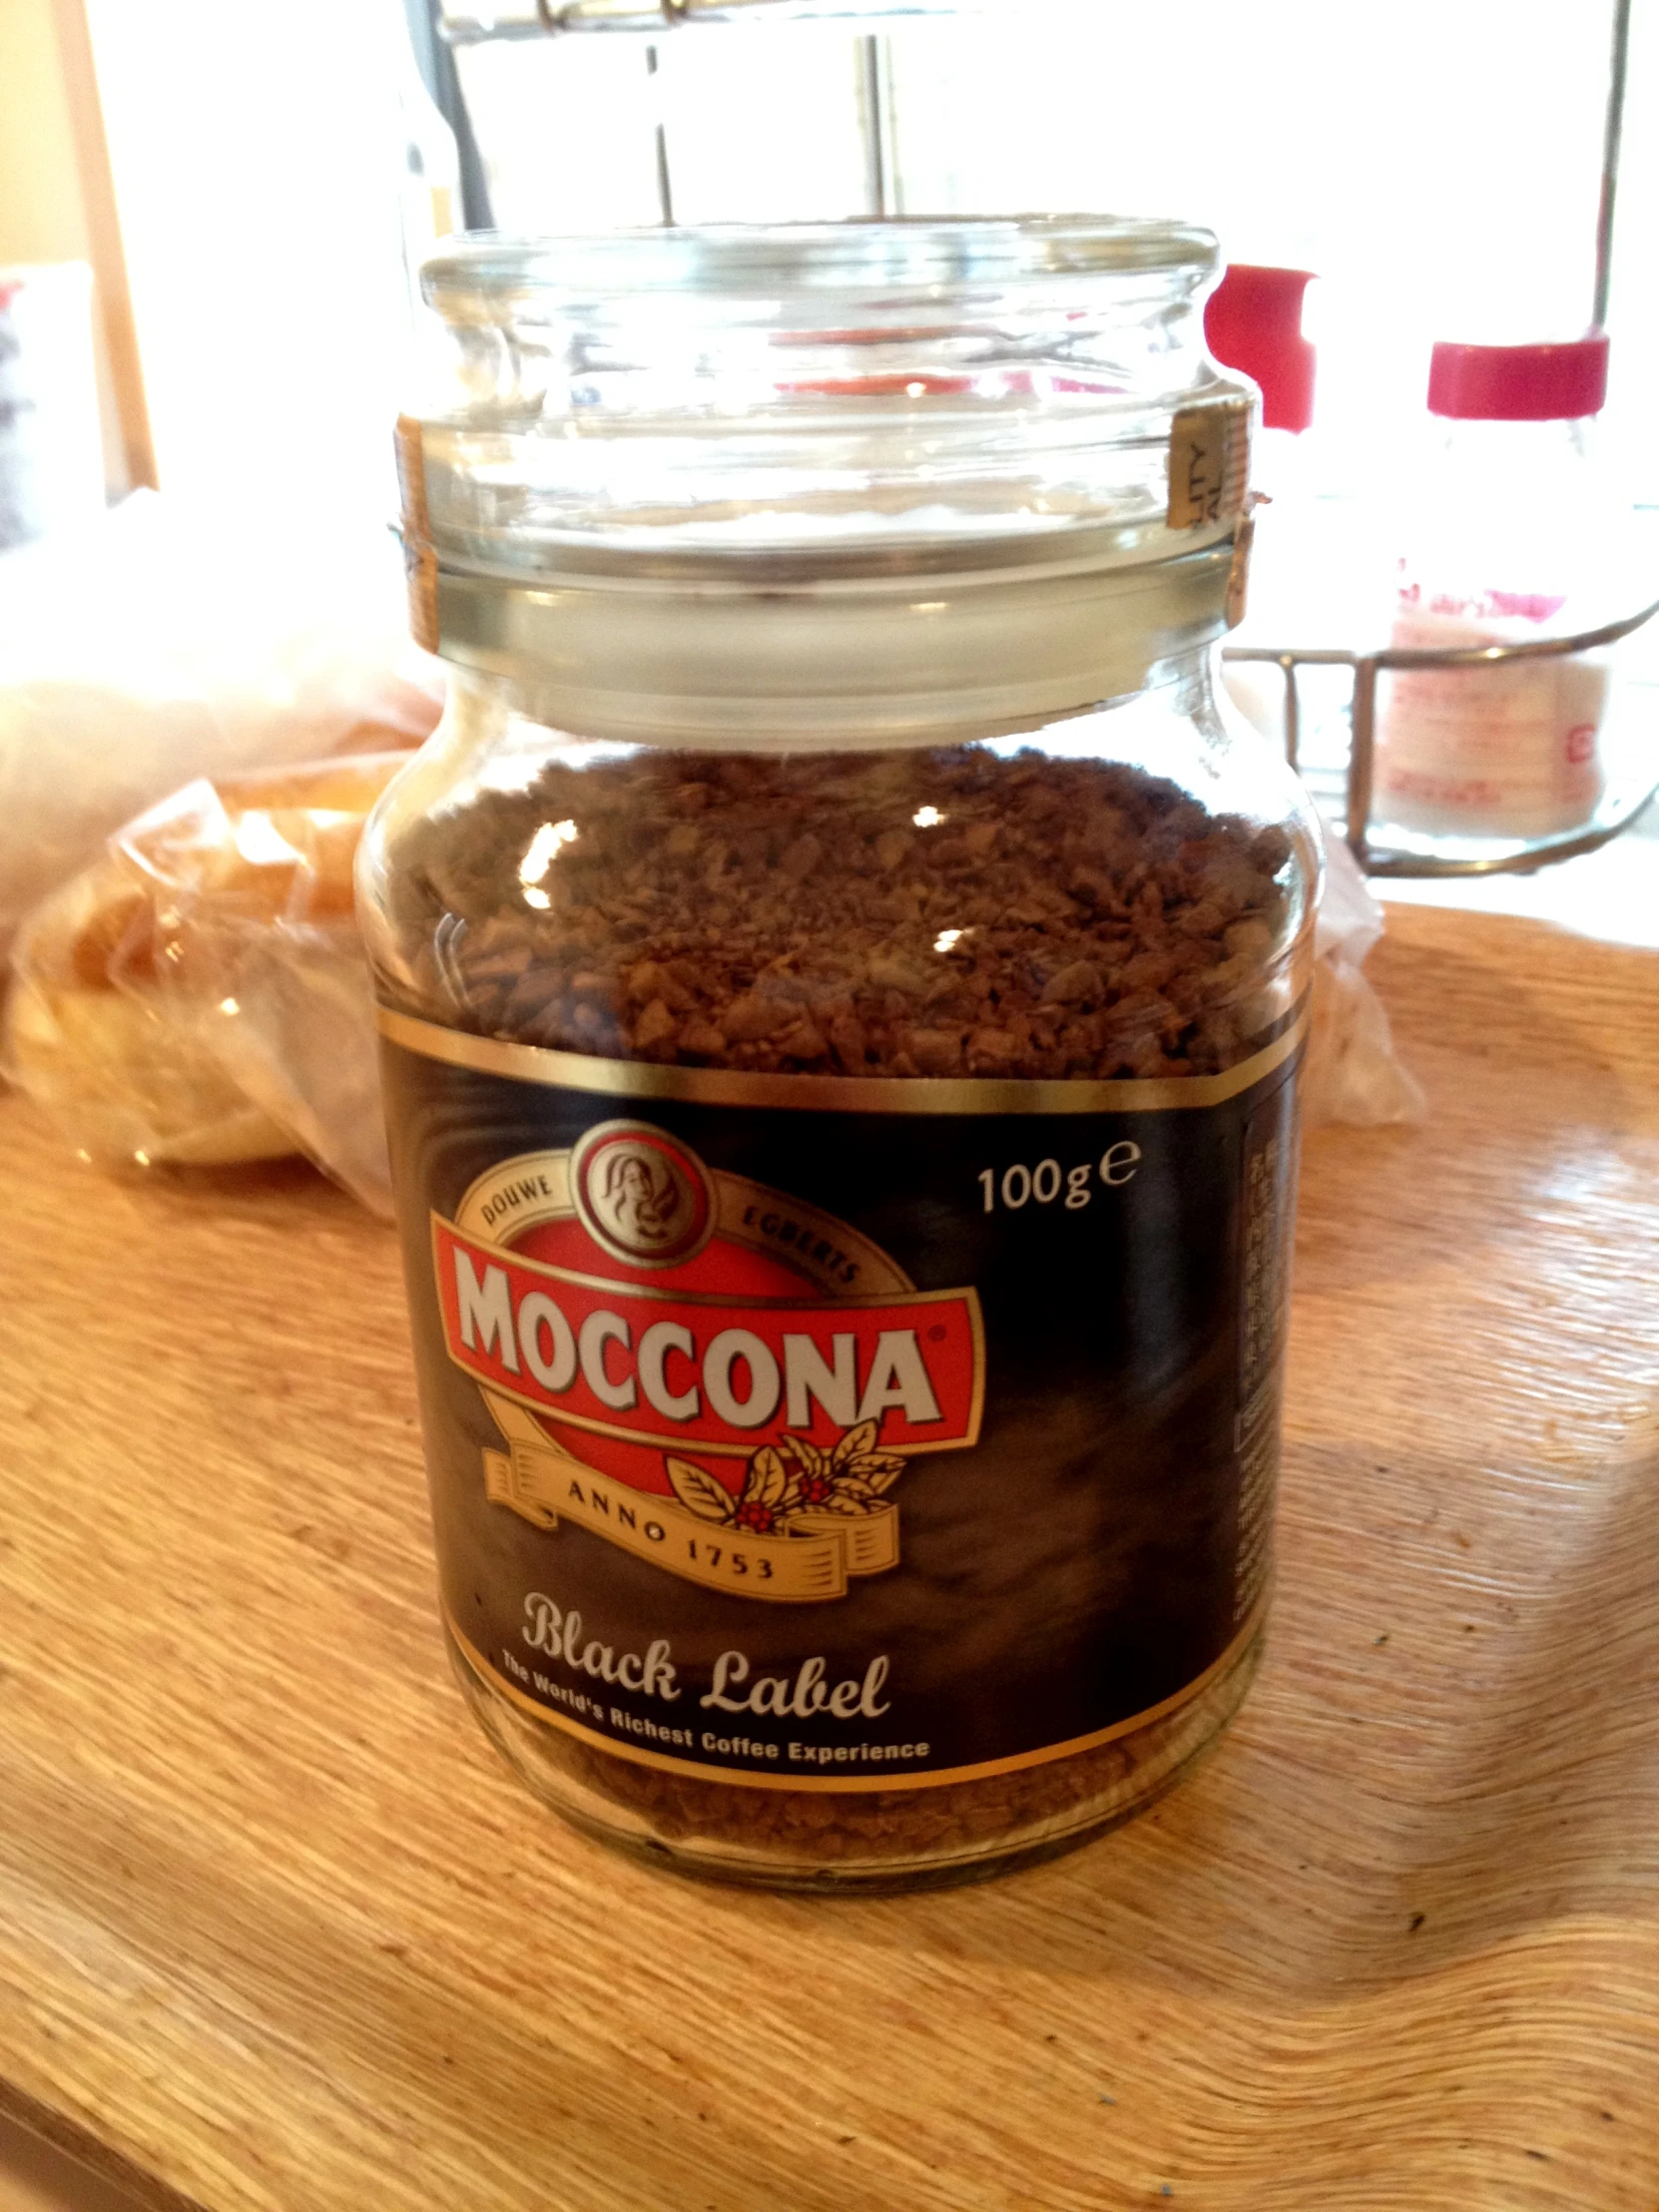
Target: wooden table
x=278, y=1933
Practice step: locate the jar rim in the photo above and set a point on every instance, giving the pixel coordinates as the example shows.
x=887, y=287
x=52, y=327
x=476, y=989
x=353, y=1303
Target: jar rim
x=480, y=271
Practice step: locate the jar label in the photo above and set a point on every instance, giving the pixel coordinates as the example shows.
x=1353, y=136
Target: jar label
x=1208, y=465
x=421, y=562
x=838, y=1447
x=1507, y=749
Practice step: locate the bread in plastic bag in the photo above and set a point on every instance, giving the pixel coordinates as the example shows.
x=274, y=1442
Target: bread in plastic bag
x=143, y=652
x=199, y=995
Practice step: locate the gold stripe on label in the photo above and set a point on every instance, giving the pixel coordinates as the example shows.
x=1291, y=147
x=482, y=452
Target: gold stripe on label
x=870, y=1778
x=846, y=1094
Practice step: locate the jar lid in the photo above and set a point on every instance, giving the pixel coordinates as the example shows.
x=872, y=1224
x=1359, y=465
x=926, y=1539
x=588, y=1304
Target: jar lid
x=825, y=480
x=479, y=272
x=820, y=398
x=1519, y=383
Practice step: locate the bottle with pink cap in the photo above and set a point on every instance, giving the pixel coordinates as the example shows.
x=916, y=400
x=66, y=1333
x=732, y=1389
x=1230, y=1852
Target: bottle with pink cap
x=1507, y=542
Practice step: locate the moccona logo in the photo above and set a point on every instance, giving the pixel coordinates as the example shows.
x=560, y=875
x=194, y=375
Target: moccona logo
x=717, y=1377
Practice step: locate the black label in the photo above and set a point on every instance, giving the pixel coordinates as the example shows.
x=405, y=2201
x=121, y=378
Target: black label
x=843, y=1447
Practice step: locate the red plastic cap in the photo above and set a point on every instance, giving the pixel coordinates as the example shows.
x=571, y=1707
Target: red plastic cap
x=1253, y=321
x=1519, y=383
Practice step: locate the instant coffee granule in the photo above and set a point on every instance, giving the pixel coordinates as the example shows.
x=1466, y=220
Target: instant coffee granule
x=969, y=912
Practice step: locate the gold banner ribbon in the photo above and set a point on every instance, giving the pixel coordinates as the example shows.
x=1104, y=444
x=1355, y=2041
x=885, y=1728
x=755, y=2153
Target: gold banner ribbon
x=813, y=1562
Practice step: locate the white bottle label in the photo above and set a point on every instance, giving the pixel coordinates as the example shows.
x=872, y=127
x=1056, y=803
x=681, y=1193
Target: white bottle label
x=1510, y=750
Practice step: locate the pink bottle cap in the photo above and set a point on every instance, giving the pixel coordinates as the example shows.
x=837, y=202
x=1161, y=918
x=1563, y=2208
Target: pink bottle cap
x=1253, y=321
x=1519, y=383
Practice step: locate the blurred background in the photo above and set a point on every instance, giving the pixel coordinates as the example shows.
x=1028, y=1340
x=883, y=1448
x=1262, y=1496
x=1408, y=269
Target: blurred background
x=250, y=183
x=212, y=215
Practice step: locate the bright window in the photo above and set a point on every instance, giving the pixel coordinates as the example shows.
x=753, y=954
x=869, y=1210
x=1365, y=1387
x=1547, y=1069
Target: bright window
x=1436, y=161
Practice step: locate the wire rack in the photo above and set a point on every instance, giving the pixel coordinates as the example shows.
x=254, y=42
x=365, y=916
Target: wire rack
x=465, y=25
x=1627, y=794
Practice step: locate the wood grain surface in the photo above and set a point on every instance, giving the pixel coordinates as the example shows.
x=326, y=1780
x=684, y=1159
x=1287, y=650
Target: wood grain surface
x=278, y=1933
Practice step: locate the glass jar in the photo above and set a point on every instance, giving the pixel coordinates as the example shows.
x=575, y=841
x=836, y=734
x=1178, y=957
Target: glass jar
x=842, y=981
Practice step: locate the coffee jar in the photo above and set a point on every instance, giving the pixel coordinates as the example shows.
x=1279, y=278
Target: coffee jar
x=842, y=981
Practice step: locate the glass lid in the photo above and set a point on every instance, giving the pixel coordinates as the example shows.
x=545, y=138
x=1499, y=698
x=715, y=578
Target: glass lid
x=989, y=391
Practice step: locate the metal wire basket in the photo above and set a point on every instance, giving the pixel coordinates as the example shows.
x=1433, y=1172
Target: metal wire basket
x=1624, y=800
x=470, y=25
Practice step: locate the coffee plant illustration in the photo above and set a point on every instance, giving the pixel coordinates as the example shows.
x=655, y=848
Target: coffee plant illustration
x=791, y=1480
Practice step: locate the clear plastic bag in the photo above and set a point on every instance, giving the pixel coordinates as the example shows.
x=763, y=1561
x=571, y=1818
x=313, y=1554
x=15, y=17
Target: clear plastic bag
x=143, y=652
x=1353, y=1073
x=199, y=996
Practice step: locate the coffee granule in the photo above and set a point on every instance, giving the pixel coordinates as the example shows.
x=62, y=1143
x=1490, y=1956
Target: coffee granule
x=973, y=910
x=968, y=911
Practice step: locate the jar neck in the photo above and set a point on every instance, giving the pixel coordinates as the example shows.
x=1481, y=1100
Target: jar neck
x=871, y=661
